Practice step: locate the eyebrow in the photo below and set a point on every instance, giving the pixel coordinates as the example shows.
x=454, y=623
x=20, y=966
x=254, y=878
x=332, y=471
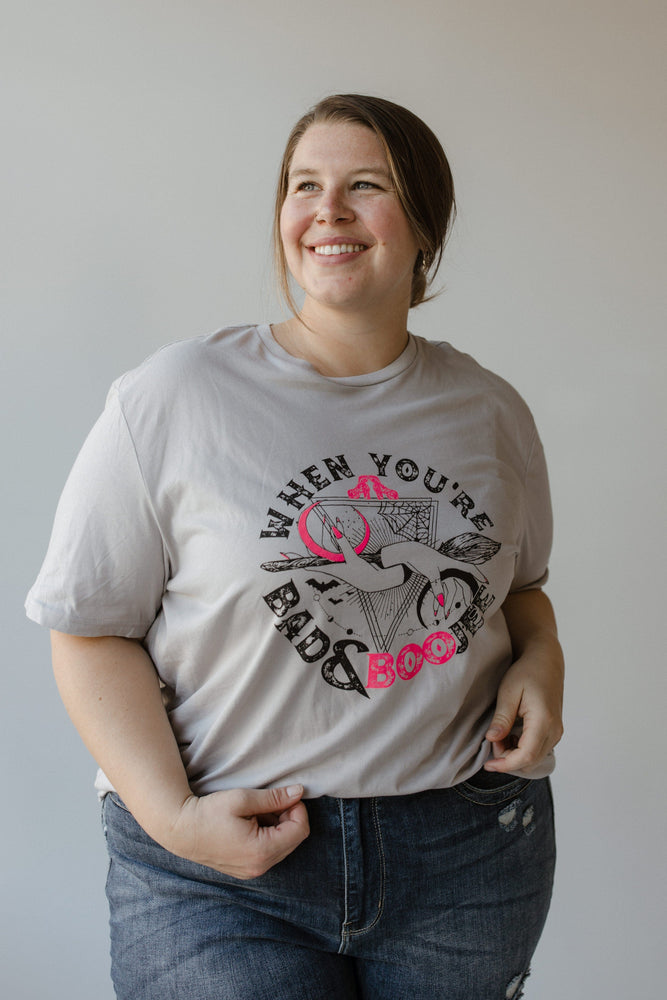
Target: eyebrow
x=307, y=172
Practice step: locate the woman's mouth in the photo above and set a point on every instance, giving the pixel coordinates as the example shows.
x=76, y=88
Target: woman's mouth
x=336, y=249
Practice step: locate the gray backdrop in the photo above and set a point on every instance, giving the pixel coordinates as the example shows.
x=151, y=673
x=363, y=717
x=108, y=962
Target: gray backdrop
x=140, y=148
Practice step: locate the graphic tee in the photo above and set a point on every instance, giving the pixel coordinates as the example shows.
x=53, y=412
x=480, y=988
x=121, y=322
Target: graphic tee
x=315, y=565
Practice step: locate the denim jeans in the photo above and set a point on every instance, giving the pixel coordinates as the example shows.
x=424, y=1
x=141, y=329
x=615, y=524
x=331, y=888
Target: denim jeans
x=442, y=894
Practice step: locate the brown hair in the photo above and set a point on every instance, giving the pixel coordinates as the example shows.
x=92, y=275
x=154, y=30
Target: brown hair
x=419, y=171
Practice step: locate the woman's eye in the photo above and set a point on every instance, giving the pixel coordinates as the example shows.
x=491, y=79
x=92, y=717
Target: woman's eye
x=364, y=185
x=306, y=186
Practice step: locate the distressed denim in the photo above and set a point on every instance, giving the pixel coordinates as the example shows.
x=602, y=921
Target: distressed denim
x=442, y=894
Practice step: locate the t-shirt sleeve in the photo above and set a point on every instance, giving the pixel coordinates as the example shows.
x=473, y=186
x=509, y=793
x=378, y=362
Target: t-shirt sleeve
x=532, y=562
x=106, y=566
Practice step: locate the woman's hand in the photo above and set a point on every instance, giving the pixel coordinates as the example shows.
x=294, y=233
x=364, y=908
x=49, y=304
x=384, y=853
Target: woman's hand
x=243, y=832
x=531, y=692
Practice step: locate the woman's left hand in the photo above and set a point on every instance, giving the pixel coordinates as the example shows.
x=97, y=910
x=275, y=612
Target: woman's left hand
x=531, y=692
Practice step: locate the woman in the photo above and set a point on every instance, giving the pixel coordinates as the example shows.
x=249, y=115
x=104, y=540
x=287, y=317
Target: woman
x=316, y=784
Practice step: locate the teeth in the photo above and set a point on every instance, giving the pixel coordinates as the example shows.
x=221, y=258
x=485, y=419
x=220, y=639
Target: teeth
x=339, y=248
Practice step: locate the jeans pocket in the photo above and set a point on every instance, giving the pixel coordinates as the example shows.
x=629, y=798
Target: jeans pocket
x=489, y=788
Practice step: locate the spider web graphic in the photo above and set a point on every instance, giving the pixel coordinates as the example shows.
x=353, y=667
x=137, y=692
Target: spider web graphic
x=412, y=520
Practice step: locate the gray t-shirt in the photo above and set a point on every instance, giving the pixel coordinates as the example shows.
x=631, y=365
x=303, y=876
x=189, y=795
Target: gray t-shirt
x=315, y=565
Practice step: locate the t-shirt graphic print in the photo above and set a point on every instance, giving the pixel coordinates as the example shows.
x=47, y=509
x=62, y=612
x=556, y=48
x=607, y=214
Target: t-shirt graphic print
x=374, y=592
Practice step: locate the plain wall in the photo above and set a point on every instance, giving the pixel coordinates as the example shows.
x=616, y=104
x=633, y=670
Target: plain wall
x=140, y=149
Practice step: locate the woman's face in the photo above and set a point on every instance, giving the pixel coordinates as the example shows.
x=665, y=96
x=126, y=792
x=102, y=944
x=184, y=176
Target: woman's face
x=347, y=241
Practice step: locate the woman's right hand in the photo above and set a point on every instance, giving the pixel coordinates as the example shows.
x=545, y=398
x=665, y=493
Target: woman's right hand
x=242, y=832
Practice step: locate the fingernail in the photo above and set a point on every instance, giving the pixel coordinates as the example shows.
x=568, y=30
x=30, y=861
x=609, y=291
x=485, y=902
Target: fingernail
x=494, y=731
x=441, y=600
x=294, y=790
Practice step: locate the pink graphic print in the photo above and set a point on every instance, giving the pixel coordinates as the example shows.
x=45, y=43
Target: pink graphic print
x=363, y=489
x=328, y=527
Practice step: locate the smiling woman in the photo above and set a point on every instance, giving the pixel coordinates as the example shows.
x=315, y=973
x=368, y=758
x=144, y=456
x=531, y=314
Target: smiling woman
x=368, y=175
x=322, y=691
x=350, y=202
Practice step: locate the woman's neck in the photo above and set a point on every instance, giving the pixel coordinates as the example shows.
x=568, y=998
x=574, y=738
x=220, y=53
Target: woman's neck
x=337, y=345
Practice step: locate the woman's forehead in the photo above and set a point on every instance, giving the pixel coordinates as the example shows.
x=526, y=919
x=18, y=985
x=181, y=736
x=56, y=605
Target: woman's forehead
x=347, y=144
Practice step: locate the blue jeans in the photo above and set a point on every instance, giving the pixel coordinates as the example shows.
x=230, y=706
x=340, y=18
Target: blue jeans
x=442, y=894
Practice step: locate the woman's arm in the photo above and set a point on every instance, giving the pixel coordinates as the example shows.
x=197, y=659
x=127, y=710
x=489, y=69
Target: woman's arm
x=111, y=691
x=532, y=688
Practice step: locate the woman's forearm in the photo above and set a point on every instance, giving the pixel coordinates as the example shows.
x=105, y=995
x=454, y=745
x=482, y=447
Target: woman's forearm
x=532, y=625
x=111, y=691
x=532, y=689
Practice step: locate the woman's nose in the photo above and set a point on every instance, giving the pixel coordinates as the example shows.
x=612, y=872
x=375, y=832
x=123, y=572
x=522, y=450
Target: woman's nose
x=334, y=207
